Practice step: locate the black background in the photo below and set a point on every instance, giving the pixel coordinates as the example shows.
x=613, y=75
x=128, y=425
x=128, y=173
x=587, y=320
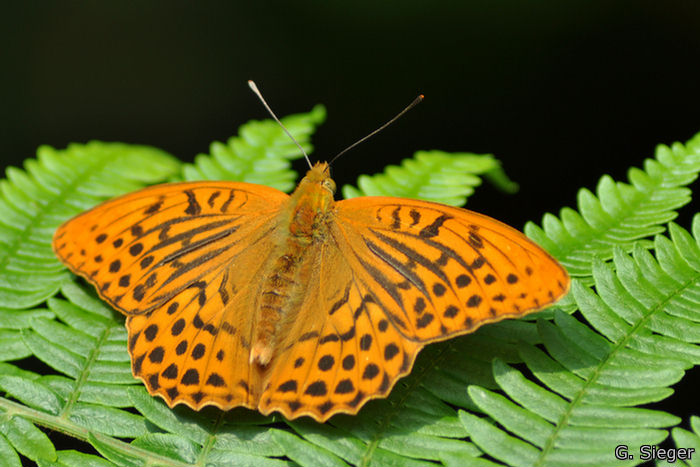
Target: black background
x=561, y=92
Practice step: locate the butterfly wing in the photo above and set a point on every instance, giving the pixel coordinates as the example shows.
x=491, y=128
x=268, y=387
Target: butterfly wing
x=393, y=275
x=180, y=260
x=341, y=351
x=143, y=248
x=438, y=271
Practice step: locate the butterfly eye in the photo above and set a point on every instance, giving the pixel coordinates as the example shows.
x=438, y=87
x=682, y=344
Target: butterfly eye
x=329, y=184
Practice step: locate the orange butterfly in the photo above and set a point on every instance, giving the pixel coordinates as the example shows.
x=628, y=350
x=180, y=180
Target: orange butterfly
x=241, y=295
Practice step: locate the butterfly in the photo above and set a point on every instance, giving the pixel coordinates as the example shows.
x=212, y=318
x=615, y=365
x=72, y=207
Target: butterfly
x=238, y=294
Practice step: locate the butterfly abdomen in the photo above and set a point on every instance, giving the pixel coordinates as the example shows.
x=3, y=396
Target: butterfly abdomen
x=281, y=295
x=283, y=289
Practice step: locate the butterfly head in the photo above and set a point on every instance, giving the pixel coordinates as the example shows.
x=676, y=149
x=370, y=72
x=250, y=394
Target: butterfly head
x=318, y=180
x=312, y=201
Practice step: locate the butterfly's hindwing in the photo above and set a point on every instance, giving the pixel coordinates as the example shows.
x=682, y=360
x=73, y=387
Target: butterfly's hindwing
x=342, y=352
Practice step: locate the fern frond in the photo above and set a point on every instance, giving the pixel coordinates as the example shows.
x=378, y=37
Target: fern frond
x=438, y=176
x=645, y=334
x=57, y=185
x=688, y=440
x=70, y=458
x=87, y=349
x=621, y=214
x=261, y=153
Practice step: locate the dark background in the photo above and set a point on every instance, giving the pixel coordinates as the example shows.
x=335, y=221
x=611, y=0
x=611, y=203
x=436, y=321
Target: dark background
x=561, y=92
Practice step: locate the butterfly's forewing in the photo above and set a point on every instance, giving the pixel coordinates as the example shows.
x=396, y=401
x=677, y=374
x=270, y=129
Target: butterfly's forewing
x=395, y=274
x=438, y=271
x=143, y=248
x=180, y=260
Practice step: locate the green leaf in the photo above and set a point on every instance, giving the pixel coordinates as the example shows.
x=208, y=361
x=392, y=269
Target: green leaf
x=438, y=176
x=27, y=439
x=121, y=457
x=54, y=355
x=622, y=214
x=55, y=186
x=31, y=393
x=73, y=459
x=496, y=443
x=11, y=346
x=185, y=424
x=21, y=319
x=168, y=445
x=687, y=440
x=8, y=455
x=107, y=420
x=305, y=453
x=261, y=153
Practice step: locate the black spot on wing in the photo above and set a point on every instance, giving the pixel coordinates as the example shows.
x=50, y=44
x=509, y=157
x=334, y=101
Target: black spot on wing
x=396, y=218
x=415, y=217
x=475, y=240
x=215, y=380
x=193, y=207
x=170, y=372
x=345, y=386
x=390, y=351
x=190, y=378
x=371, y=371
x=424, y=320
x=308, y=335
x=115, y=266
x=181, y=347
x=223, y=293
x=151, y=332
x=198, y=351
x=433, y=229
x=155, y=207
x=288, y=386
x=341, y=301
x=177, y=327
x=231, y=196
x=326, y=363
x=365, y=342
x=157, y=354
x=359, y=397
x=317, y=389
x=349, y=362
x=212, y=198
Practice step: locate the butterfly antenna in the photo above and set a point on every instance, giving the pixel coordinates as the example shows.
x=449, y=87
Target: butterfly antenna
x=415, y=102
x=255, y=89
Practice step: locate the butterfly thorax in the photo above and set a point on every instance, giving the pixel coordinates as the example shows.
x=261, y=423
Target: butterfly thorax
x=308, y=212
